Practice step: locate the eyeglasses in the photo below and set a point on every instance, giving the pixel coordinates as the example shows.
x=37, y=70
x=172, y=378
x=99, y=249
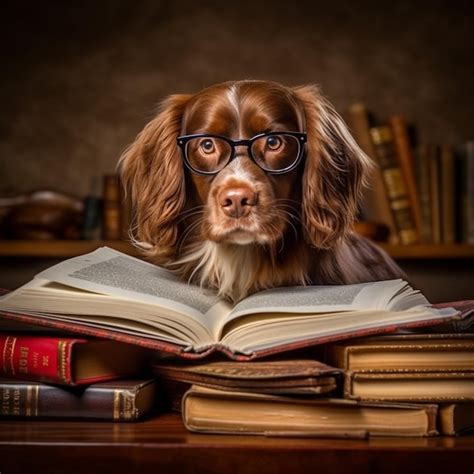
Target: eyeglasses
x=274, y=152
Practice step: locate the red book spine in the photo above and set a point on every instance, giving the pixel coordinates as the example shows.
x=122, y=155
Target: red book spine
x=44, y=359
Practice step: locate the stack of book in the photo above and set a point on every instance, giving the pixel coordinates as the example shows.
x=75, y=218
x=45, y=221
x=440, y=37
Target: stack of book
x=412, y=368
x=134, y=304
x=422, y=194
x=58, y=376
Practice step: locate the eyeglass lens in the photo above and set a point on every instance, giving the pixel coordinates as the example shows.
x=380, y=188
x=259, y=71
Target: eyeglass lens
x=272, y=153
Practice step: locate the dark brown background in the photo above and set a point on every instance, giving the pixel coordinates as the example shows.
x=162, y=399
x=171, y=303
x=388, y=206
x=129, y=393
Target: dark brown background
x=80, y=79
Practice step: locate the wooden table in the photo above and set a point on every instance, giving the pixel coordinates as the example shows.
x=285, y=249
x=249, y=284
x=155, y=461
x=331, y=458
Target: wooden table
x=162, y=445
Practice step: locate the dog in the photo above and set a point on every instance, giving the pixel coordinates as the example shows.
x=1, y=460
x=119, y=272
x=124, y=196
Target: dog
x=249, y=185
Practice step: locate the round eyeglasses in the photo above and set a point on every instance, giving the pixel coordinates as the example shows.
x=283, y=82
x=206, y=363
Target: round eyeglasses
x=274, y=152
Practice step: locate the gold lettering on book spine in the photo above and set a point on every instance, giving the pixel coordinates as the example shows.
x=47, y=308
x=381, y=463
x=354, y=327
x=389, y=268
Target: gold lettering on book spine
x=32, y=400
x=116, y=405
x=36, y=401
x=62, y=361
x=8, y=352
x=29, y=394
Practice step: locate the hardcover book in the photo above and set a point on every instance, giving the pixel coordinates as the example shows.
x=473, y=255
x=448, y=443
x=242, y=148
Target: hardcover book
x=124, y=400
x=112, y=295
x=68, y=360
x=407, y=165
x=456, y=419
x=400, y=204
x=289, y=377
x=213, y=411
x=405, y=353
x=432, y=387
x=376, y=206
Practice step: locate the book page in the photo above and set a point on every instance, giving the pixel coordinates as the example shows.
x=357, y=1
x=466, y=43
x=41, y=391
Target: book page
x=113, y=273
x=328, y=298
x=301, y=299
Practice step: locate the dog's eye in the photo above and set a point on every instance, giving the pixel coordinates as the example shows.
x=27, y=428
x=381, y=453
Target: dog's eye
x=273, y=143
x=207, y=146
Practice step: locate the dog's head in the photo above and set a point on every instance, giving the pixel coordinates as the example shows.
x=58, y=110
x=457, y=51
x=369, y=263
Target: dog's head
x=243, y=163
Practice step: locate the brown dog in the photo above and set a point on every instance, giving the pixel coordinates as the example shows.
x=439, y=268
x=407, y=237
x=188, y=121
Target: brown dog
x=250, y=185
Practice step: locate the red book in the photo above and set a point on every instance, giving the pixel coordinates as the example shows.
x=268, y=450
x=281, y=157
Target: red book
x=67, y=360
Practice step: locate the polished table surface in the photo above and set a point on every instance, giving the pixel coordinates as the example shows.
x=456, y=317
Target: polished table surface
x=161, y=444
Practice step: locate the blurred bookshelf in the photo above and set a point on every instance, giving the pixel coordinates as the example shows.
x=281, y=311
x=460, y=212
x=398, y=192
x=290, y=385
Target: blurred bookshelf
x=71, y=248
x=59, y=248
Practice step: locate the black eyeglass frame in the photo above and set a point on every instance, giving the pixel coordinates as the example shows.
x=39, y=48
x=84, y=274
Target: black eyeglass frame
x=184, y=139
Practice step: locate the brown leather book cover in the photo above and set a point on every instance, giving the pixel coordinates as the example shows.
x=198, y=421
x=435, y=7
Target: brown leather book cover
x=396, y=189
x=447, y=183
x=125, y=400
x=112, y=228
x=427, y=387
x=434, y=168
x=215, y=411
x=376, y=205
x=297, y=376
x=406, y=162
x=405, y=353
x=456, y=419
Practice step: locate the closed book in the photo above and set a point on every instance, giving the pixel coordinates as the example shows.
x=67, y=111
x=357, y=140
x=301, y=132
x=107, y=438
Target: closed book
x=395, y=186
x=112, y=228
x=429, y=387
x=67, y=360
x=469, y=147
x=124, y=400
x=375, y=203
x=213, y=411
x=423, y=158
x=406, y=162
x=456, y=419
x=109, y=294
x=405, y=353
x=447, y=197
x=291, y=376
x=434, y=170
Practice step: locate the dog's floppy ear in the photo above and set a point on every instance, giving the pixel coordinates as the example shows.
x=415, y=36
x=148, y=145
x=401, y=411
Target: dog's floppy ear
x=152, y=172
x=335, y=170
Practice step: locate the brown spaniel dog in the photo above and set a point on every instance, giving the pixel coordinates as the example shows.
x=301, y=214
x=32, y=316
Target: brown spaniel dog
x=249, y=185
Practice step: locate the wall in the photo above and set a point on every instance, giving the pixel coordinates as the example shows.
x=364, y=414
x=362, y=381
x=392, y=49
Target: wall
x=80, y=79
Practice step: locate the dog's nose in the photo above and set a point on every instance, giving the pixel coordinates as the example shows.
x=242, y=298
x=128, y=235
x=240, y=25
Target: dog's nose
x=237, y=202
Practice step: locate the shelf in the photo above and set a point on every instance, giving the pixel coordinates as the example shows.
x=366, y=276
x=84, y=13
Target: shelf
x=429, y=251
x=71, y=248
x=59, y=248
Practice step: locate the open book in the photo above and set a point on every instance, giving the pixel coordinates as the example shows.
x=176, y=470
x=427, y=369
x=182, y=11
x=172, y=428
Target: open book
x=109, y=294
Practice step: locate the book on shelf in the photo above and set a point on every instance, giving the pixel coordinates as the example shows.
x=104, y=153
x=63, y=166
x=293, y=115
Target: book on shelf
x=434, y=173
x=406, y=161
x=112, y=227
x=123, y=400
x=425, y=154
x=215, y=411
x=433, y=387
x=448, y=191
x=456, y=418
x=68, y=360
x=376, y=206
x=396, y=189
x=465, y=189
x=91, y=226
x=452, y=352
x=109, y=294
